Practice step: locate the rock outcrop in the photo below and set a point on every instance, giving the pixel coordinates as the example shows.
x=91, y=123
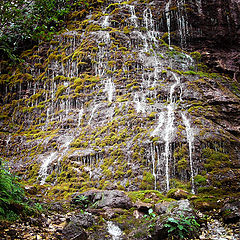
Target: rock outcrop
x=109, y=104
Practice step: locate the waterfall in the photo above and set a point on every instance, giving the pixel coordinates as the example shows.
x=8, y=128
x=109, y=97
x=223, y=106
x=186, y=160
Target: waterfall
x=161, y=121
x=92, y=114
x=133, y=17
x=44, y=167
x=199, y=4
x=80, y=114
x=106, y=23
x=169, y=129
x=114, y=230
x=140, y=105
x=57, y=155
x=110, y=89
x=153, y=166
x=168, y=16
x=190, y=139
x=182, y=23
x=148, y=19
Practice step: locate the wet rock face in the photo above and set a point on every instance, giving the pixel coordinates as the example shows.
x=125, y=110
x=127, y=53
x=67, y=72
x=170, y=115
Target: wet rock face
x=215, y=31
x=108, y=104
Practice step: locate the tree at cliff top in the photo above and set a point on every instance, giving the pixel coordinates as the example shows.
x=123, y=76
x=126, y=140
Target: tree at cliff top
x=23, y=22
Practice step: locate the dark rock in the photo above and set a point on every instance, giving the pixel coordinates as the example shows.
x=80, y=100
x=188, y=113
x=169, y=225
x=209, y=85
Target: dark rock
x=142, y=206
x=161, y=208
x=84, y=220
x=178, y=194
x=231, y=212
x=73, y=231
x=106, y=198
x=76, y=225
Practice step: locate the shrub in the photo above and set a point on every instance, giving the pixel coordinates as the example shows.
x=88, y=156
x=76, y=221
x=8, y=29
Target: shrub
x=182, y=227
x=13, y=203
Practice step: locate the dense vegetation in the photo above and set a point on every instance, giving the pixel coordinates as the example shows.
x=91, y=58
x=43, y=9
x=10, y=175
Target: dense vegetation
x=13, y=203
x=25, y=22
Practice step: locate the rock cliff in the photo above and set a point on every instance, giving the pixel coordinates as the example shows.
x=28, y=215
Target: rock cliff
x=138, y=95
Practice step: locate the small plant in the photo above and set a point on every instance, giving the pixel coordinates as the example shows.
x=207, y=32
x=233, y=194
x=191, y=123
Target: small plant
x=82, y=201
x=182, y=227
x=12, y=201
x=151, y=217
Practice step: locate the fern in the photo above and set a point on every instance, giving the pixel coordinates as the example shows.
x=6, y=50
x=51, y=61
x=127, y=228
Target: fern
x=11, y=194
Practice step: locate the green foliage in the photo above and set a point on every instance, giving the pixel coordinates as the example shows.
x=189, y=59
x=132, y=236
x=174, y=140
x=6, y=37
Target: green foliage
x=182, y=227
x=28, y=21
x=82, y=201
x=11, y=194
x=151, y=217
x=13, y=203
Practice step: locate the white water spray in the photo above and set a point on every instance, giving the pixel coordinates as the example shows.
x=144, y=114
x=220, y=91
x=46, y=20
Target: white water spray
x=190, y=139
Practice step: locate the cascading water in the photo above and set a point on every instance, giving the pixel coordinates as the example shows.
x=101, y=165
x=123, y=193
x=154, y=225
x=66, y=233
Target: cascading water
x=168, y=16
x=80, y=114
x=190, y=139
x=109, y=88
x=169, y=129
x=182, y=22
x=114, y=231
x=133, y=17
x=139, y=105
x=54, y=156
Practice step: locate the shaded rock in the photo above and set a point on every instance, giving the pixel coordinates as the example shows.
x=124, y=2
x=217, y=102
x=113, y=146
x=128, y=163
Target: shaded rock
x=76, y=225
x=73, y=231
x=177, y=194
x=231, y=212
x=106, y=198
x=84, y=220
x=142, y=206
x=161, y=208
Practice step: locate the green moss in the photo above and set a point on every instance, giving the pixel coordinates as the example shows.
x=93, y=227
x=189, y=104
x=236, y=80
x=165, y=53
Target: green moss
x=156, y=196
x=200, y=180
x=147, y=181
x=215, y=159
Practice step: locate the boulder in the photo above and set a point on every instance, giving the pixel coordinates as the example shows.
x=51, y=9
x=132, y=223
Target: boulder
x=177, y=194
x=104, y=198
x=231, y=212
x=161, y=208
x=73, y=231
x=76, y=225
x=142, y=206
x=175, y=210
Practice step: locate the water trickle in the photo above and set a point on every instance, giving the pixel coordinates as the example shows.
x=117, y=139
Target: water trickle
x=140, y=105
x=43, y=172
x=114, y=230
x=182, y=22
x=161, y=120
x=133, y=17
x=109, y=89
x=169, y=129
x=168, y=16
x=44, y=167
x=80, y=114
x=199, y=4
x=148, y=19
x=153, y=166
x=106, y=22
x=190, y=139
x=92, y=114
